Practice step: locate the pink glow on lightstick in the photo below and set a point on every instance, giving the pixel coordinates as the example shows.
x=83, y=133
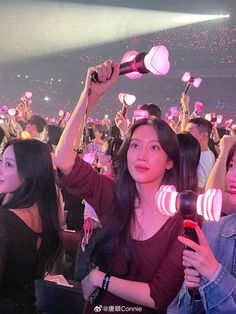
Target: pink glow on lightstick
x=129, y=99
x=4, y=108
x=165, y=200
x=127, y=57
x=61, y=113
x=219, y=118
x=191, y=81
x=11, y=112
x=208, y=204
x=208, y=116
x=135, y=64
x=198, y=106
x=89, y=158
x=157, y=60
x=174, y=111
x=197, y=82
x=67, y=116
x=140, y=114
x=28, y=95
x=168, y=116
x=228, y=123
x=89, y=120
x=186, y=77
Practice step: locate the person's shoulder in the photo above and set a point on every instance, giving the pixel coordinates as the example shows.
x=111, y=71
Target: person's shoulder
x=226, y=226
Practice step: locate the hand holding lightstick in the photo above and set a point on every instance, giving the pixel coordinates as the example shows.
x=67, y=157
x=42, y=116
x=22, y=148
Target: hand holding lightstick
x=190, y=205
x=134, y=64
x=190, y=81
x=126, y=101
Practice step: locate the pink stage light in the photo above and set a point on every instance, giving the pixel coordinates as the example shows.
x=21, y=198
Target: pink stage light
x=156, y=61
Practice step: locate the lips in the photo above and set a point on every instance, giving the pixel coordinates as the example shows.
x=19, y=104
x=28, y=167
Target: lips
x=232, y=189
x=141, y=168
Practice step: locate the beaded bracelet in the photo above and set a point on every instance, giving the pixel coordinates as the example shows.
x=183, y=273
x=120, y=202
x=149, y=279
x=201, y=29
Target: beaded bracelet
x=105, y=282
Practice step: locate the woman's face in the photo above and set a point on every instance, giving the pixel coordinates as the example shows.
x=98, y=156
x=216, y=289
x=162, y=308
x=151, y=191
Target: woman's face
x=231, y=180
x=10, y=180
x=147, y=161
x=103, y=158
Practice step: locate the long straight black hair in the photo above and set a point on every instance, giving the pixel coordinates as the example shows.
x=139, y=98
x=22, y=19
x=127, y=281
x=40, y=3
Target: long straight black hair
x=116, y=226
x=190, y=152
x=231, y=153
x=34, y=166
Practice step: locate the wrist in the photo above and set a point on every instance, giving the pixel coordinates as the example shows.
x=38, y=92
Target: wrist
x=105, y=282
x=213, y=273
x=97, y=278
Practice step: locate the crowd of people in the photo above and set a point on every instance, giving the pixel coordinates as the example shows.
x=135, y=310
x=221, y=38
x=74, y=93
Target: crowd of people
x=105, y=177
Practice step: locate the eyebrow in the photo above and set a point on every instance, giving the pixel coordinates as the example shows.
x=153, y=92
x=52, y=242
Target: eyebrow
x=8, y=158
x=137, y=139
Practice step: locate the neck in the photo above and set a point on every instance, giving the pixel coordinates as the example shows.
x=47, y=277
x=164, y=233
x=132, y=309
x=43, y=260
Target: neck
x=147, y=194
x=204, y=147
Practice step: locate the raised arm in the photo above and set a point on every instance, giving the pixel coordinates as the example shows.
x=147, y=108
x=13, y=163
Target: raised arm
x=216, y=178
x=184, y=100
x=107, y=75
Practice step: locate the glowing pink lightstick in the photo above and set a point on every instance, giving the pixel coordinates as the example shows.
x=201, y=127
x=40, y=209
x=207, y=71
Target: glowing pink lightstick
x=140, y=114
x=126, y=101
x=12, y=112
x=26, y=96
x=191, y=81
x=189, y=205
x=155, y=61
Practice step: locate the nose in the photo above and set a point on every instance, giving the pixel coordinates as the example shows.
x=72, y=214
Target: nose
x=143, y=153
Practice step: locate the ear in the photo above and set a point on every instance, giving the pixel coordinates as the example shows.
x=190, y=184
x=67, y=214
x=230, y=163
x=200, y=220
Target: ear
x=169, y=164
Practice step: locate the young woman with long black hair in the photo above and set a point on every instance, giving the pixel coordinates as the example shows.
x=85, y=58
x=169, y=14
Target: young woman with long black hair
x=29, y=223
x=138, y=257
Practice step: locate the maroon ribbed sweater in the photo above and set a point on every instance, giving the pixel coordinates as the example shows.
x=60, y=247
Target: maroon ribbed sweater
x=159, y=258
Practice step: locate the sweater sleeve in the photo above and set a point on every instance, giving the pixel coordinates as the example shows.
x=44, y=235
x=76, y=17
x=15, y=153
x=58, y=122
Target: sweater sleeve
x=220, y=294
x=87, y=183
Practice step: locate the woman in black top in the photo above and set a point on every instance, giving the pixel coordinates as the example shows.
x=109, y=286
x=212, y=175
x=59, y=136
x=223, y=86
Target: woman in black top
x=29, y=223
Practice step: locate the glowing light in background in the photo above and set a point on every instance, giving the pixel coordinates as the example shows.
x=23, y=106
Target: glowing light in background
x=36, y=29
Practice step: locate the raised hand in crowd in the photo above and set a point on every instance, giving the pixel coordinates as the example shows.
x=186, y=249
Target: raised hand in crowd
x=121, y=122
